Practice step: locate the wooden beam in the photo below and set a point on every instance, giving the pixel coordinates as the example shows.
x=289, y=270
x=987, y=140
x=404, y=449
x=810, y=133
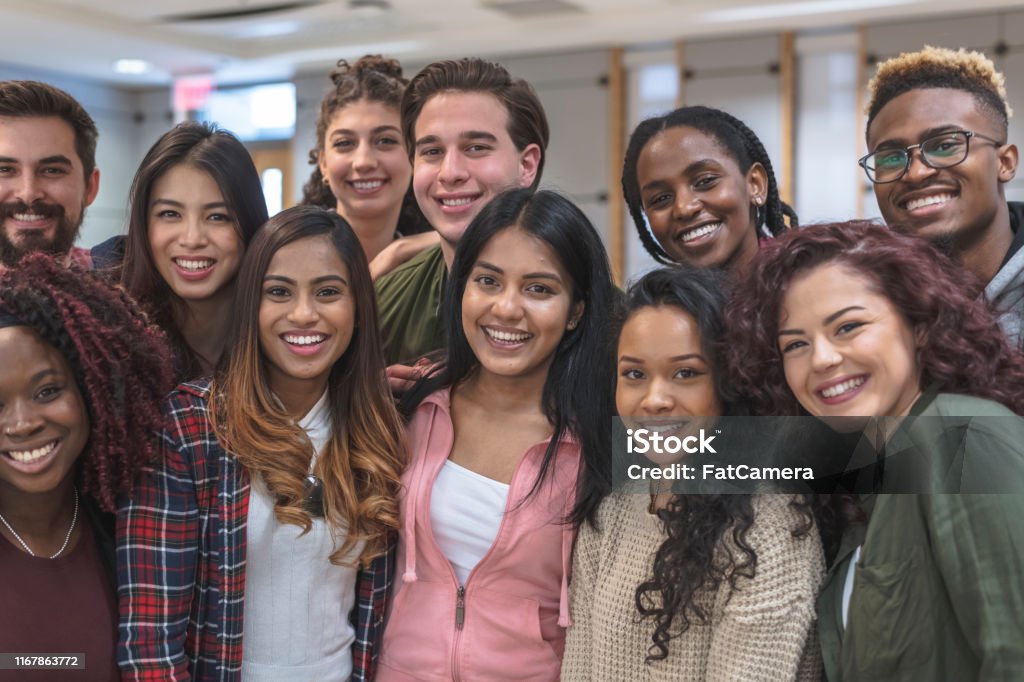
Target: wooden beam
x=681, y=71
x=616, y=153
x=787, y=109
x=859, y=117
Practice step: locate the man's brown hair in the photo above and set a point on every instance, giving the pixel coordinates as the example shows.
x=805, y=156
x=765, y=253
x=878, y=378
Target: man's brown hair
x=23, y=99
x=527, y=123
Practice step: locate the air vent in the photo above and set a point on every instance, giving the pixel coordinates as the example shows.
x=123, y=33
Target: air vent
x=527, y=9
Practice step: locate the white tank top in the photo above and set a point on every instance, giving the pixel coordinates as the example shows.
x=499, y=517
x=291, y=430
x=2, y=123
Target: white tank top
x=465, y=514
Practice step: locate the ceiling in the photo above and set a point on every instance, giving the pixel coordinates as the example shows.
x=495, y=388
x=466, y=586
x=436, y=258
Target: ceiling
x=278, y=38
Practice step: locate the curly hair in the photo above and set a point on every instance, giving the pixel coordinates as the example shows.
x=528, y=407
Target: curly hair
x=372, y=78
x=939, y=67
x=362, y=462
x=705, y=541
x=739, y=141
x=963, y=349
x=120, y=361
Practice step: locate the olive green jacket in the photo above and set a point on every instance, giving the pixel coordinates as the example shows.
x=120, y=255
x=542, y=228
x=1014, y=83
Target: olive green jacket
x=409, y=302
x=938, y=591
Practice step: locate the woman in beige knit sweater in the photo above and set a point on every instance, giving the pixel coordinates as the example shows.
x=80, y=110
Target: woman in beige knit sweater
x=710, y=587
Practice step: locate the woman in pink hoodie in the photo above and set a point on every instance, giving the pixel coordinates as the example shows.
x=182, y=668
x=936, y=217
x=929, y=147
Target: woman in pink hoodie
x=503, y=433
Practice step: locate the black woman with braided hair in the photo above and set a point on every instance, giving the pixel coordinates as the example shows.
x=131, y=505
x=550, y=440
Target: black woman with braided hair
x=703, y=183
x=81, y=378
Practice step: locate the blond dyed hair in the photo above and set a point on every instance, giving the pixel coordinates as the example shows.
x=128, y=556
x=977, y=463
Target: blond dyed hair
x=940, y=67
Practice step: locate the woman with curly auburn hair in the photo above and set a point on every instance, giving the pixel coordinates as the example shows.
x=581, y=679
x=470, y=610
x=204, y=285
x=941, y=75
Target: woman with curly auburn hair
x=853, y=320
x=689, y=587
x=82, y=375
x=271, y=516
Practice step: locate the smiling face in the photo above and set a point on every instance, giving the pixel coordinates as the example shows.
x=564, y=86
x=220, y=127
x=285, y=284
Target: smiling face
x=364, y=161
x=957, y=204
x=846, y=349
x=44, y=425
x=517, y=305
x=664, y=380
x=43, y=188
x=463, y=158
x=698, y=202
x=193, y=237
x=307, y=315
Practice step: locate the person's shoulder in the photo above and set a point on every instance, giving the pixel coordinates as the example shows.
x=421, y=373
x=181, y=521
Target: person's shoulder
x=957, y=405
x=421, y=266
x=189, y=398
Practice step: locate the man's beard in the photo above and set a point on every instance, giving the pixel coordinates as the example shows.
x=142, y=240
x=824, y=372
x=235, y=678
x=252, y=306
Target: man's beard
x=30, y=241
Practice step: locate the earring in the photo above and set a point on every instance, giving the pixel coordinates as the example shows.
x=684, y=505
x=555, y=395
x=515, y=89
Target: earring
x=572, y=324
x=327, y=181
x=758, y=200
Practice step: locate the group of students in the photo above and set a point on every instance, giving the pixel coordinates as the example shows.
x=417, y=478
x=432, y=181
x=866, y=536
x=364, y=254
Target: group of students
x=388, y=452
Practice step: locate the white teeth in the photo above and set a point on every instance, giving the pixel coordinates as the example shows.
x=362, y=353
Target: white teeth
x=664, y=428
x=458, y=202
x=508, y=337
x=27, y=456
x=27, y=217
x=194, y=265
x=368, y=186
x=304, y=340
x=840, y=389
x=699, y=232
x=928, y=201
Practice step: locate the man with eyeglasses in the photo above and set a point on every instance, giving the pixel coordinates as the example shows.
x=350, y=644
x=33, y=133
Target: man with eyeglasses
x=939, y=160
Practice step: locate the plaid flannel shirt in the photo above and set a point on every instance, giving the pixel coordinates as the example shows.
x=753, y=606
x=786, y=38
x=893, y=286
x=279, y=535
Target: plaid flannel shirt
x=181, y=542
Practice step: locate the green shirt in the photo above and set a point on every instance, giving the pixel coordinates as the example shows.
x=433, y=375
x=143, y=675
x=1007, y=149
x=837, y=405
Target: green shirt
x=409, y=302
x=938, y=592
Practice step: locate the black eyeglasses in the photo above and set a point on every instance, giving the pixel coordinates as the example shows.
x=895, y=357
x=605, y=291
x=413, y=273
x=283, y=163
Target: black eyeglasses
x=942, y=151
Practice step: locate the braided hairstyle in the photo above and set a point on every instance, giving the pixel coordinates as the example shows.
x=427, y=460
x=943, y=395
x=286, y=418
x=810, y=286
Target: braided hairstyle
x=121, y=363
x=742, y=145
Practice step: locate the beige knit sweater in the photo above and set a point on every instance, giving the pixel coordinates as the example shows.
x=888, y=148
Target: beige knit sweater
x=765, y=632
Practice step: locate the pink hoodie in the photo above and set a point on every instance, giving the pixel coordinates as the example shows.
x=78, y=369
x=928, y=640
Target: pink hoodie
x=508, y=621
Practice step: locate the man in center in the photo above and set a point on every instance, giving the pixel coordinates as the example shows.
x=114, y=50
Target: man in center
x=472, y=131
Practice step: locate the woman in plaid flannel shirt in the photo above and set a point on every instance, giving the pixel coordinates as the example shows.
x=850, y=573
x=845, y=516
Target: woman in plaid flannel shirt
x=298, y=425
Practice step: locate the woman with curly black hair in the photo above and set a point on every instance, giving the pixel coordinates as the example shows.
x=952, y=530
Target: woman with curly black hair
x=80, y=383
x=689, y=587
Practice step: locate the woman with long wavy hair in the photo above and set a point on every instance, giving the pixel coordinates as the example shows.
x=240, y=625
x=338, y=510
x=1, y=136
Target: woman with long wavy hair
x=689, y=587
x=270, y=515
x=850, y=321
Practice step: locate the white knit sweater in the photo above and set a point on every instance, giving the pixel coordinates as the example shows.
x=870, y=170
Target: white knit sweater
x=764, y=632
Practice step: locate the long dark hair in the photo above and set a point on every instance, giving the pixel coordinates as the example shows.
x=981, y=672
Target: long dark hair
x=361, y=464
x=963, y=350
x=691, y=558
x=576, y=395
x=739, y=141
x=225, y=159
